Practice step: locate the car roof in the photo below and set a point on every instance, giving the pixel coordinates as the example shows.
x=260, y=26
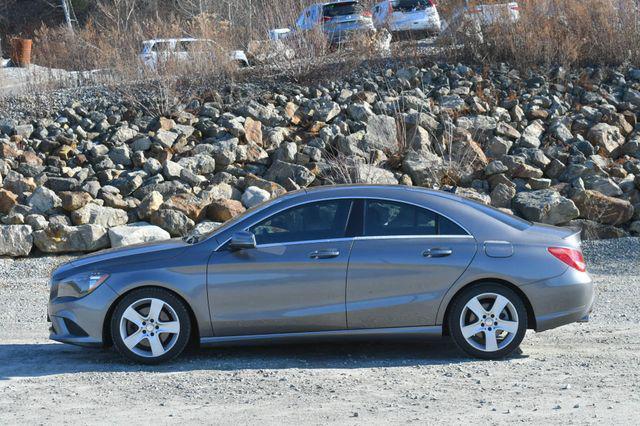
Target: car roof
x=363, y=188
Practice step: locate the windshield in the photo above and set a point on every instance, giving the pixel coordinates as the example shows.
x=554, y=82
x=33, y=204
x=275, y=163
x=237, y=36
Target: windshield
x=410, y=5
x=341, y=9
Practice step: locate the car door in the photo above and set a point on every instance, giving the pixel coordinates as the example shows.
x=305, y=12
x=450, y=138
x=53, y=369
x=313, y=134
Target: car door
x=293, y=280
x=403, y=264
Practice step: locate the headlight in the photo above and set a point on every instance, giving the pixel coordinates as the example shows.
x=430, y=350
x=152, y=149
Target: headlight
x=78, y=285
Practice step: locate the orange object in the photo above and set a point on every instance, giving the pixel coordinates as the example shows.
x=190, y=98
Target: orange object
x=21, y=51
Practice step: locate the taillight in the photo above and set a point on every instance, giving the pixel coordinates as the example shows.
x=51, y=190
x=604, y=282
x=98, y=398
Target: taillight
x=326, y=18
x=569, y=256
x=366, y=14
x=515, y=7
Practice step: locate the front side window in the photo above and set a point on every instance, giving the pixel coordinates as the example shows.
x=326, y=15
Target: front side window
x=313, y=221
x=387, y=218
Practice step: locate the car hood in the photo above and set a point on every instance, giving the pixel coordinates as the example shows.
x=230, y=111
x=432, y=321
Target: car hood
x=131, y=254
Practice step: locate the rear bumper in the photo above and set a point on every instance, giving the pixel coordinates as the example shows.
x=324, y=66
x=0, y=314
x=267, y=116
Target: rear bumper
x=432, y=26
x=561, y=300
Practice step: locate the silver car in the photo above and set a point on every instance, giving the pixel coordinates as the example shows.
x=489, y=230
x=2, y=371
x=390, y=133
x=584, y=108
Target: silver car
x=338, y=262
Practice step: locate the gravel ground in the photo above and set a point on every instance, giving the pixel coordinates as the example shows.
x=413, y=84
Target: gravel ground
x=578, y=374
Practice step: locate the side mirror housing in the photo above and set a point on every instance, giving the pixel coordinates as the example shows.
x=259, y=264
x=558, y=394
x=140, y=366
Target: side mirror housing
x=242, y=240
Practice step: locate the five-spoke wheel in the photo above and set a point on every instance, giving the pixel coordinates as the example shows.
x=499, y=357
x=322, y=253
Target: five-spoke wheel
x=488, y=321
x=150, y=325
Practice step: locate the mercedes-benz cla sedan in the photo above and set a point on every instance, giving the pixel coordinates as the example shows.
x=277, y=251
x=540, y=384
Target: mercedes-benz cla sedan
x=339, y=262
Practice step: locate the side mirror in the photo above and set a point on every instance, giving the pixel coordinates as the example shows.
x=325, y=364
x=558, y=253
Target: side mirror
x=242, y=240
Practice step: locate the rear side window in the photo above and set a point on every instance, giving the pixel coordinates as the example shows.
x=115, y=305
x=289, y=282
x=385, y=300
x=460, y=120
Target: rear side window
x=411, y=5
x=312, y=221
x=388, y=218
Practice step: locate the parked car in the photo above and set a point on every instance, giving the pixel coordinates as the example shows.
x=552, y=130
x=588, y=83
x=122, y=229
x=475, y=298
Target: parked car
x=472, y=17
x=159, y=51
x=336, y=262
x=338, y=20
x=407, y=17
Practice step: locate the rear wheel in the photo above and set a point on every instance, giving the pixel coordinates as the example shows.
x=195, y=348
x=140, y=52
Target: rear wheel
x=488, y=321
x=150, y=326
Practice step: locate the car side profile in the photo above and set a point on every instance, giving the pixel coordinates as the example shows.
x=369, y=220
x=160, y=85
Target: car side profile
x=335, y=262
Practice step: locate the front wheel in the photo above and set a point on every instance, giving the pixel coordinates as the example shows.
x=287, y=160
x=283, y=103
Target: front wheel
x=150, y=326
x=488, y=321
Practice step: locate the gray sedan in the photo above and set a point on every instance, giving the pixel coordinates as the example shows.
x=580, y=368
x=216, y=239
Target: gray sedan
x=341, y=262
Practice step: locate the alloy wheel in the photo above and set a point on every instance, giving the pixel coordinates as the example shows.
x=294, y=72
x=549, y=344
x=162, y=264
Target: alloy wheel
x=149, y=327
x=489, y=322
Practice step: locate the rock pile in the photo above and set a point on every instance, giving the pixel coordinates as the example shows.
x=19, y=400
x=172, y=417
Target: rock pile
x=559, y=148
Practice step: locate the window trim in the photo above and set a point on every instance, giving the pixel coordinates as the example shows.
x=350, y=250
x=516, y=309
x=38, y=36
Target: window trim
x=357, y=237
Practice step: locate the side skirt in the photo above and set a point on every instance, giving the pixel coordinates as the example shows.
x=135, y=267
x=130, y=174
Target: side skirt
x=400, y=333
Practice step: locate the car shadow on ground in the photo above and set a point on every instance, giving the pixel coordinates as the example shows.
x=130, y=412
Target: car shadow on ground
x=35, y=360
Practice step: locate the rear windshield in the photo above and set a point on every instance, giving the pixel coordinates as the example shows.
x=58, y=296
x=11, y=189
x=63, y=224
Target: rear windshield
x=410, y=5
x=507, y=219
x=341, y=9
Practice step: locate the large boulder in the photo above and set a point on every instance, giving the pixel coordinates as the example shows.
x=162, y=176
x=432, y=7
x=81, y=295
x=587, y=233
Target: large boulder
x=223, y=210
x=94, y=214
x=136, y=233
x=189, y=204
x=7, y=200
x=382, y=134
x=366, y=173
x=15, y=240
x=602, y=208
x=43, y=200
x=283, y=172
x=546, y=206
x=66, y=239
x=74, y=200
x=253, y=196
x=176, y=223
x=607, y=137
x=425, y=168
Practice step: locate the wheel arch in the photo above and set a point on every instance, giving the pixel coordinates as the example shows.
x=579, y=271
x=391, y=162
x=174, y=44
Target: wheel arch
x=531, y=318
x=106, y=332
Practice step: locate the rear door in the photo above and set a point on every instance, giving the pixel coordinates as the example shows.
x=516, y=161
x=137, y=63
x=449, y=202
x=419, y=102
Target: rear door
x=293, y=281
x=403, y=264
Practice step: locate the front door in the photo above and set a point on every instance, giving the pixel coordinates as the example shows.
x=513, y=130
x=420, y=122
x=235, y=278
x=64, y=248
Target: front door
x=293, y=281
x=406, y=260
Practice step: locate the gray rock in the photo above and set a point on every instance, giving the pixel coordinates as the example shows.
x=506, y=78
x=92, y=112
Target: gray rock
x=176, y=223
x=502, y=195
x=43, y=200
x=531, y=135
x=62, y=239
x=426, y=169
x=15, y=240
x=324, y=110
x=607, y=137
x=366, y=173
x=281, y=172
x=253, y=196
x=546, y=206
x=94, y=214
x=381, y=134
x=149, y=204
x=165, y=138
x=136, y=233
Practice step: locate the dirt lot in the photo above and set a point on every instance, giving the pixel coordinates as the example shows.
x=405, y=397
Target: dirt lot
x=582, y=373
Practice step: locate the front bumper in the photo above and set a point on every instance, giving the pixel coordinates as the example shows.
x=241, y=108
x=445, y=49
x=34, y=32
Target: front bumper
x=80, y=321
x=561, y=300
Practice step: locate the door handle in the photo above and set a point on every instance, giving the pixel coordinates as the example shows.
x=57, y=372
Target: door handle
x=437, y=252
x=324, y=254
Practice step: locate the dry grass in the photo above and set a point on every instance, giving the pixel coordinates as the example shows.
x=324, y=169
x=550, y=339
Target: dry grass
x=560, y=32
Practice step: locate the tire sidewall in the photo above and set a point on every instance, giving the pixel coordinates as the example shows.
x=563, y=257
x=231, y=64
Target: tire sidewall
x=458, y=305
x=170, y=299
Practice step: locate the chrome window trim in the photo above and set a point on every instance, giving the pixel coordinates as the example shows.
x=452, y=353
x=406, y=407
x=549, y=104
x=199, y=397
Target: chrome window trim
x=354, y=197
x=400, y=237
x=292, y=243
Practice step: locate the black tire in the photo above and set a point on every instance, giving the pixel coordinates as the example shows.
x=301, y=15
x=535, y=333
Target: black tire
x=458, y=306
x=178, y=309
